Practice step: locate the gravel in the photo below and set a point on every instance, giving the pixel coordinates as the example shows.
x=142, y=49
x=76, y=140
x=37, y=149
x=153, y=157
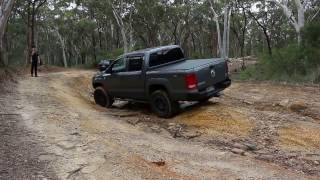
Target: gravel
x=19, y=149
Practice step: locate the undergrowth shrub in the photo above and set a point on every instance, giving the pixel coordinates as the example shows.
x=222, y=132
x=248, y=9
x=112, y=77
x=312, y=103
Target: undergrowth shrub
x=294, y=63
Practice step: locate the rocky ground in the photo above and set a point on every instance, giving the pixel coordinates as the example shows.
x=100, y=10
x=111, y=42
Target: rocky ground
x=255, y=130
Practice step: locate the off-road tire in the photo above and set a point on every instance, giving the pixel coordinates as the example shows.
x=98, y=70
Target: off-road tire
x=162, y=105
x=102, y=98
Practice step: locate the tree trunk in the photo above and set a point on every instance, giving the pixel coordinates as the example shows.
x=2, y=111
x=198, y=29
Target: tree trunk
x=265, y=32
x=94, y=47
x=174, y=33
x=122, y=28
x=32, y=10
x=3, y=57
x=93, y=37
x=214, y=44
x=244, y=30
x=193, y=42
x=301, y=19
x=30, y=31
x=6, y=7
x=131, y=37
x=268, y=39
x=28, y=49
x=219, y=49
x=33, y=21
x=226, y=27
x=100, y=39
x=228, y=34
x=124, y=39
x=63, y=48
x=5, y=10
x=216, y=19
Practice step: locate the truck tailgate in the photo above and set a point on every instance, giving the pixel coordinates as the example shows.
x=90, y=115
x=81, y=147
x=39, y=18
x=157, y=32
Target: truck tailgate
x=211, y=73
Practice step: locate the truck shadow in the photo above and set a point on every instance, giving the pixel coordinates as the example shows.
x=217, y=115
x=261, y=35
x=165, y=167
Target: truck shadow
x=145, y=109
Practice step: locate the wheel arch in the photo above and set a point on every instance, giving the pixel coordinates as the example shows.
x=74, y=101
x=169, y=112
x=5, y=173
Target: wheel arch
x=97, y=84
x=158, y=84
x=155, y=87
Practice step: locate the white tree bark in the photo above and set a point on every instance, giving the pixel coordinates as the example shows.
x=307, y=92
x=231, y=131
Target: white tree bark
x=216, y=19
x=297, y=22
x=223, y=46
x=225, y=27
x=5, y=10
x=301, y=18
x=131, y=38
x=63, y=47
x=228, y=33
x=117, y=16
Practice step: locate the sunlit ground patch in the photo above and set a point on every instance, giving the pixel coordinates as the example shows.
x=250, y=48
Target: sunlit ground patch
x=300, y=137
x=82, y=87
x=75, y=90
x=91, y=126
x=218, y=120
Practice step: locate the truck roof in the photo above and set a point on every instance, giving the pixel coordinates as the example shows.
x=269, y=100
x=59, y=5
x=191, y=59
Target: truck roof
x=152, y=50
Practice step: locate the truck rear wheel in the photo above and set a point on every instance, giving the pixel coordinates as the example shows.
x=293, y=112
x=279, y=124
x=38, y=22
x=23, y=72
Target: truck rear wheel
x=162, y=105
x=102, y=98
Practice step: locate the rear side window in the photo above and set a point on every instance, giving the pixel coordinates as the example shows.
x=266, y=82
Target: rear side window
x=165, y=56
x=135, y=63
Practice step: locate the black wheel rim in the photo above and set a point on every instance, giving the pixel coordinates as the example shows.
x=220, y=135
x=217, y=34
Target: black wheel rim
x=161, y=104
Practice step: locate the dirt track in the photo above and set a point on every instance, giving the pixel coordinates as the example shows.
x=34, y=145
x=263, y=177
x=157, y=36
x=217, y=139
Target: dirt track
x=253, y=131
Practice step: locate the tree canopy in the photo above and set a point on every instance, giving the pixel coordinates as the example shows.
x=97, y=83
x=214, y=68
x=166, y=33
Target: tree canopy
x=82, y=32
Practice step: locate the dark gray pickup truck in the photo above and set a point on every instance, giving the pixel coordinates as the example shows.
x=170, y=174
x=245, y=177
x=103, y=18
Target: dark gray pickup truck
x=161, y=76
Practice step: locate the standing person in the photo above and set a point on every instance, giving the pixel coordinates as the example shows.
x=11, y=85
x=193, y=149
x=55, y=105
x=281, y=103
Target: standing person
x=34, y=62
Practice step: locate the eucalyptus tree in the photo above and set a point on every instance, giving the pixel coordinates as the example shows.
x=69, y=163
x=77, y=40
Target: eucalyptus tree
x=122, y=9
x=149, y=21
x=261, y=16
x=240, y=21
x=297, y=22
x=5, y=10
x=223, y=45
x=295, y=11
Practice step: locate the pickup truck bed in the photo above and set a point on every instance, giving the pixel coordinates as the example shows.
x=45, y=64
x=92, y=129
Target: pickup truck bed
x=188, y=64
x=211, y=74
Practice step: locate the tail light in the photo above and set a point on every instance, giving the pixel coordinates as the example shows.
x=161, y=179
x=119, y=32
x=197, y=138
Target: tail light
x=191, y=81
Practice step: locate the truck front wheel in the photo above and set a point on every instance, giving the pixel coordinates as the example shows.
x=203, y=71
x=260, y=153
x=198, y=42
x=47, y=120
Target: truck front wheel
x=102, y=98
x=162, y=105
